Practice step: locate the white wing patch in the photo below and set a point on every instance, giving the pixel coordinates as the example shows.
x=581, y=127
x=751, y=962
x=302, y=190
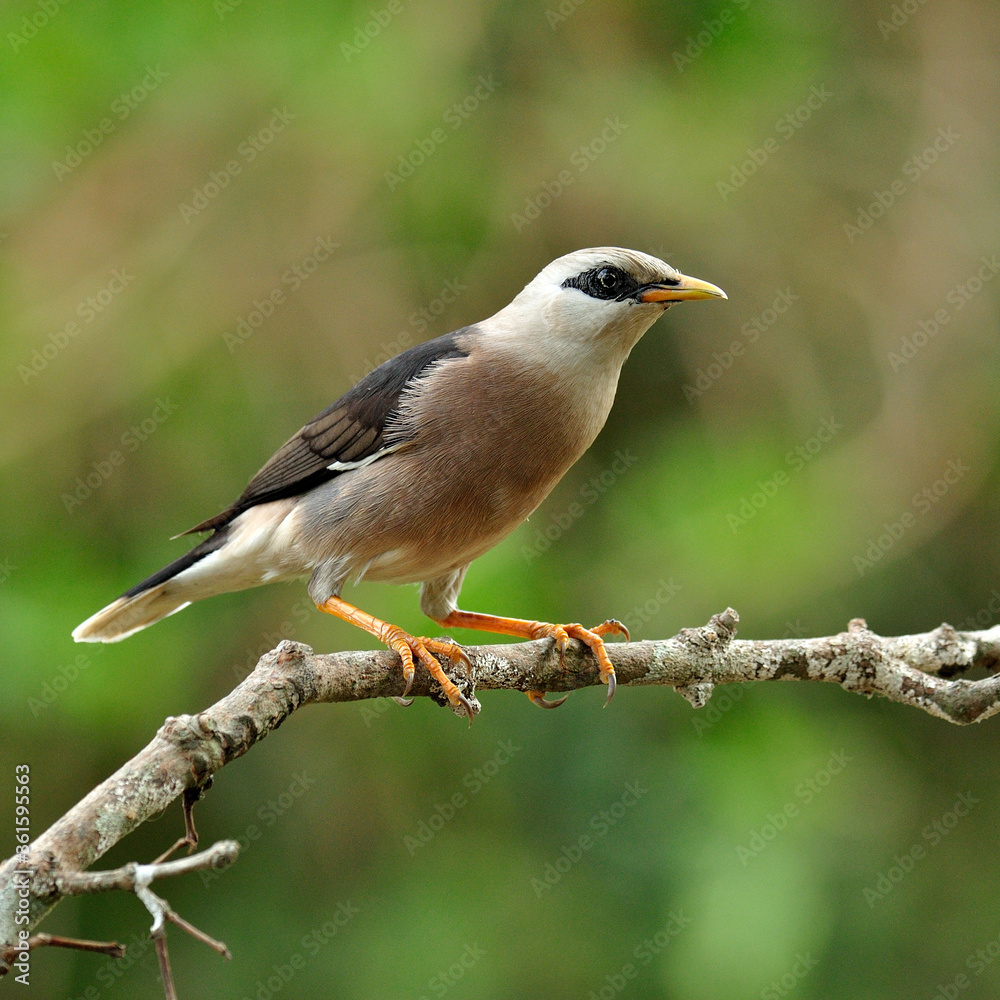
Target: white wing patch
x=361, y=463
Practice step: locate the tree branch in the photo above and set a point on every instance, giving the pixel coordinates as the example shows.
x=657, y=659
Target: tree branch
x=135, y=878
x=917, y=670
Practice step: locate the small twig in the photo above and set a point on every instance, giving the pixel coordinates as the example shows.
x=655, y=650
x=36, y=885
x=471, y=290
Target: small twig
x=138, y=878
x=112, y=948
x=191, y=796
x=179, y=843
x=165, y=974
x=161, y=911
x=127, y=878
x=218, y=946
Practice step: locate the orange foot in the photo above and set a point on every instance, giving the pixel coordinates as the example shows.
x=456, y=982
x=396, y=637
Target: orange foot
x=408, y=646
x=591, y=637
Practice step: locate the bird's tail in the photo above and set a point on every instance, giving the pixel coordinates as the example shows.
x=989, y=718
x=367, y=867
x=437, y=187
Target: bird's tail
x=127, y=615
x=164, y=593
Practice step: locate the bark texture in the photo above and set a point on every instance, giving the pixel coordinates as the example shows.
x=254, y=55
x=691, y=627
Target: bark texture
x=917, y=670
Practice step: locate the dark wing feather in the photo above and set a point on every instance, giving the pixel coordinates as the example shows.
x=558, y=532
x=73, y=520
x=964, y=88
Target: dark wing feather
x=350, y=430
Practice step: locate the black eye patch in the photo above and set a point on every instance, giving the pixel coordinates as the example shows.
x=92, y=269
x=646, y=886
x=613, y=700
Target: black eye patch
x=604, y=282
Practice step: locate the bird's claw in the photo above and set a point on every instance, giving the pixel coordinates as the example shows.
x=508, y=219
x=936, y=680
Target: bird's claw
x=538, y=698
x=612, y=627
x=467, y=705
x=591, y=638
x=455, y=653
x=425, y=649
x=612, y=687
x=408, y=672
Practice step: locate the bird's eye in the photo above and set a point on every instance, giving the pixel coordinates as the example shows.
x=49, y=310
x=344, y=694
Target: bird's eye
x=605, y=282
x=608, y=279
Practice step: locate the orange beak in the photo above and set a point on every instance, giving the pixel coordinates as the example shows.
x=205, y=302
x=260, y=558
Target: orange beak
x=685, y=289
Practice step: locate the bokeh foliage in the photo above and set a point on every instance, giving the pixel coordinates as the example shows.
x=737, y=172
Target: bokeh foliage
x=698, y=91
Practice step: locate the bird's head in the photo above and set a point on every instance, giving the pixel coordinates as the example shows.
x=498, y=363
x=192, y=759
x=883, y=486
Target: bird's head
x=606, y=296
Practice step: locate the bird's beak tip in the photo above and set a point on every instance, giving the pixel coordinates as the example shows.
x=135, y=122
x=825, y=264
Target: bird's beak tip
x=684, y=290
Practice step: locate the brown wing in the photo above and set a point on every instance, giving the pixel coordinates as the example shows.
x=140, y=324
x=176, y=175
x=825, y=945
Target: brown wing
x=350, y=432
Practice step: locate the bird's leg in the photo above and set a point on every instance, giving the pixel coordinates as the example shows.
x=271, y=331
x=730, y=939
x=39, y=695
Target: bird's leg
x=590, y=637
x=406, y=645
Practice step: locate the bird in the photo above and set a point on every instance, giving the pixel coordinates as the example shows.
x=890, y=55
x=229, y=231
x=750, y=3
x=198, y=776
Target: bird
x=429, y=461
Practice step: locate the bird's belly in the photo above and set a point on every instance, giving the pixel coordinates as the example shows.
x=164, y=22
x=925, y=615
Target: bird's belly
x=449, y=534
x=442, y=522
x=472, y=480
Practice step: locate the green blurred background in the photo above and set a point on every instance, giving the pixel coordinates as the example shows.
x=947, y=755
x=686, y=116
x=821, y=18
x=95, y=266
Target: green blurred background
x=745, y=151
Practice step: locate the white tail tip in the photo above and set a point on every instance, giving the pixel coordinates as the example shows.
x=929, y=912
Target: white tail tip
x=129, y=615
